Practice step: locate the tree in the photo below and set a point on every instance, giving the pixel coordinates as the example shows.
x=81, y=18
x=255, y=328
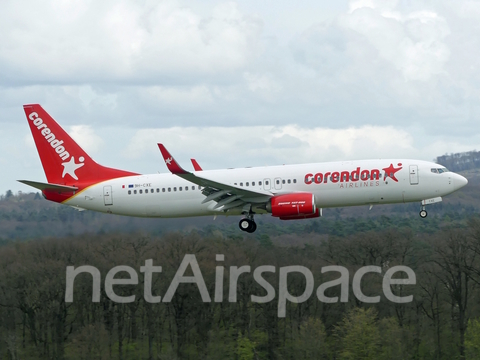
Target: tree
x=472, y=339
x=245, y=348
x=358, y=335
x=455, y=259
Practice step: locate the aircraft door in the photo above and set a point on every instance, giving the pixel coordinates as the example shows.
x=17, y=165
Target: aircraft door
x=278, y=184
x=107, y=195
x=266, y=184
x=413, y=175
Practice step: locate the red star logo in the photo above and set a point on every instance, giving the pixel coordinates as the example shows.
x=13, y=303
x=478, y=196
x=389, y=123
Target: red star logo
x=390, y=172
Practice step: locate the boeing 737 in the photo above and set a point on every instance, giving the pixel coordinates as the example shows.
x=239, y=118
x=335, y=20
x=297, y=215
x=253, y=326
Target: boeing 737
x=288, y=192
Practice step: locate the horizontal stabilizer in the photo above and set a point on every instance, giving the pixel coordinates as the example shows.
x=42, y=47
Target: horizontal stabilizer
x=46, y=186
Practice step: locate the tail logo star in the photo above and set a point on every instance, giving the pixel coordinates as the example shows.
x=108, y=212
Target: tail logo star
x=70, y=167
x=169, y=161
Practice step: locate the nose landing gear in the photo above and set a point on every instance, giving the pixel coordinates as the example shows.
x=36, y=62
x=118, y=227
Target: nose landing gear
x=423, y=212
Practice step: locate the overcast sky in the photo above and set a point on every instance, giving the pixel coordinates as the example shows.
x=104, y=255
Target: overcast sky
x=237, y=84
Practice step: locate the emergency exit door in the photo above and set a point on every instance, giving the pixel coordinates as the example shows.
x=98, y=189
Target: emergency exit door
x=413, y=175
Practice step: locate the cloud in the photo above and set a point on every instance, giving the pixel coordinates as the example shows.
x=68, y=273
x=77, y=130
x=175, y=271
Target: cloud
x=85, y=136
x=74, y=42
x=286, y=144
x=242, y=83
x=413, y=43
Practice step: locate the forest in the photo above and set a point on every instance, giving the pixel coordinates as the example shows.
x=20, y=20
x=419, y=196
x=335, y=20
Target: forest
x=442, y=321
x=39, y=240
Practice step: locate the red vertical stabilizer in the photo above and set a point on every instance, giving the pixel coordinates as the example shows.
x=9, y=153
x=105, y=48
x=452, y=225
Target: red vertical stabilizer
x=64, y=161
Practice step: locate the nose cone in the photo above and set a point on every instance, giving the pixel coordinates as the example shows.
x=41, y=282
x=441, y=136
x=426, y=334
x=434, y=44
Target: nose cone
x=459, y=181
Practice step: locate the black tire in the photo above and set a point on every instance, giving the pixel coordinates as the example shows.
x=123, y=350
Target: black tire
x=423, y=214
x=253, y=227
x=245, y=224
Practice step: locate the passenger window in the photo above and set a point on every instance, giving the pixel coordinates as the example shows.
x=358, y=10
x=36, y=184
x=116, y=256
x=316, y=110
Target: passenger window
x=180, y=188
x=163, y=189
x=294, y=181
x=278, y=182
x=193, y=187
x=289, y=181
x=266, y=182
x=151, y=191
x=175, y=189
x=140, y=191
x=158, y=190
x=134, y=191
x=186, y=188
x=260, y=183
x=283, y=181
x=241, y=184
x=253, y=183
x=246, y=184
x=129, y=192
x=169, y=189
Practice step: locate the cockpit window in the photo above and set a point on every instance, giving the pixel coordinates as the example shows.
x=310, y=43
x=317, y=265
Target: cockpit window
x=439, y=170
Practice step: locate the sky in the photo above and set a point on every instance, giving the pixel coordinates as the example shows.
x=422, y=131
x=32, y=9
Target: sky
x=237, y=84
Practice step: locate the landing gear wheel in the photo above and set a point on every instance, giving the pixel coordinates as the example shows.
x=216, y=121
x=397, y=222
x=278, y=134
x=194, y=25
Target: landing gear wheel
x=244, y=224
x=423, y=214
x=247, y=225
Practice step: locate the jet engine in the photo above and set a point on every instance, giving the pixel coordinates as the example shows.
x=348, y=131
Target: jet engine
x=293, y=206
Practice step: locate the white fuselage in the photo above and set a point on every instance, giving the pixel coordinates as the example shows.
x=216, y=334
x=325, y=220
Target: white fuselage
x=167, y=195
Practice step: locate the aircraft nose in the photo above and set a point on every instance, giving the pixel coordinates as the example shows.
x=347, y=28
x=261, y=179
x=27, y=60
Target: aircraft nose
x=460, y=181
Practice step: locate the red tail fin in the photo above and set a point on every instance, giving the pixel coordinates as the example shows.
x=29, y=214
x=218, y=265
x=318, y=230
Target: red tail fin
x=63, y=160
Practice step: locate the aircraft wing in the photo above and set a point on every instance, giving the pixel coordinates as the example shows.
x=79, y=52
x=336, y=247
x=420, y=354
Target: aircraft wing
x=196, y=166
x=227, y=196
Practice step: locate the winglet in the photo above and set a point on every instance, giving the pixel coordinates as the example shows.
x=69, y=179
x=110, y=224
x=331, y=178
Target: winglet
x=171, y=163
x=196, y=166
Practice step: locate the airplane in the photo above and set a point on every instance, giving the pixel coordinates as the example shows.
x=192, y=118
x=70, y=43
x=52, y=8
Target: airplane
x=287, y=192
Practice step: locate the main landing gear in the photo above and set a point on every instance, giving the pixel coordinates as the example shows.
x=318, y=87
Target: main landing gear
x=247, y=224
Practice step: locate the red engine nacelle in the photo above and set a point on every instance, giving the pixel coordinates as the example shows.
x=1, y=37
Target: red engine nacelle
x=293, y=206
